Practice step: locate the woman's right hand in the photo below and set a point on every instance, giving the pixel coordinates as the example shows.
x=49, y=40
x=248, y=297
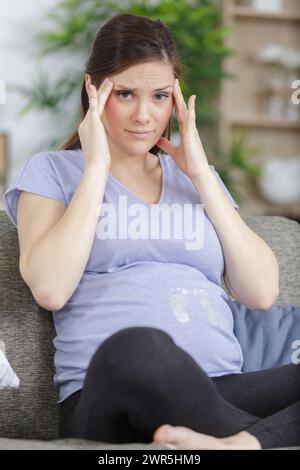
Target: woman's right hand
x=91, y=130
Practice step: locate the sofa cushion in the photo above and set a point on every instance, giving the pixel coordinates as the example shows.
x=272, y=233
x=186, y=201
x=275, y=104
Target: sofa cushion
x=268, y=338
x=283, y=236
x=31, y=410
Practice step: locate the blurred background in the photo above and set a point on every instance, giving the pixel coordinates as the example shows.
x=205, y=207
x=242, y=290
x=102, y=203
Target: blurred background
x=241, y=58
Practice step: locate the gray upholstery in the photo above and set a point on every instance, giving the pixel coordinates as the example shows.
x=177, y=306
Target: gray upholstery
x=283, y=236
x=27, y=329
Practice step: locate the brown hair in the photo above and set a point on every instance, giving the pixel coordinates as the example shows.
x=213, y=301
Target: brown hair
x=123, y=41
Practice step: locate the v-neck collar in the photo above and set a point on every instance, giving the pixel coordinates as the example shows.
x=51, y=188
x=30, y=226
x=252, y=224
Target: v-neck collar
x=162, y=194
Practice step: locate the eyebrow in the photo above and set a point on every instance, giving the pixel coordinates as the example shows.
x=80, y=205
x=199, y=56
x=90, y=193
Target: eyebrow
x=134, y=89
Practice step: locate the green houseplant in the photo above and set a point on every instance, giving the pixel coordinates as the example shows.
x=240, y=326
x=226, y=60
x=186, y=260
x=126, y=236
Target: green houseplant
x=198, y=32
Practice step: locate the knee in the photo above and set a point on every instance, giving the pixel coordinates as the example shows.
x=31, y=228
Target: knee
x=136, y=340
x=134, y=348
x=138, y=335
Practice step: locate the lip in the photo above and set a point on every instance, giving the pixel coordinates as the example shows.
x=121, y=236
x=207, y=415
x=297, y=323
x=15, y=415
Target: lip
x=140, y=134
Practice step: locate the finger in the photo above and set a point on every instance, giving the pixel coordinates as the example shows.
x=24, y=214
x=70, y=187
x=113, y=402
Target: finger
x=191, y=109
x=179, y=115
x=93, y=100
x=166, y=146
x=104, y=92
x=181, y=103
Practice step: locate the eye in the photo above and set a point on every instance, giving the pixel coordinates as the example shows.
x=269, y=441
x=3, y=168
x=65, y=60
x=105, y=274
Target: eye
x=165, y=95
x=119, y=93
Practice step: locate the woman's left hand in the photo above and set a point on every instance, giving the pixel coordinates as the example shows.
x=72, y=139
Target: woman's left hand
x=189, y=155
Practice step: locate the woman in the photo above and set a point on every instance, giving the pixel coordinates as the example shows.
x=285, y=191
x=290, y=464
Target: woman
x=144, y=333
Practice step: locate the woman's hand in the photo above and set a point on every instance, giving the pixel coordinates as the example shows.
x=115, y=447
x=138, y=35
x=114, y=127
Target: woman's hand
x=189, y=155
x=91, y=130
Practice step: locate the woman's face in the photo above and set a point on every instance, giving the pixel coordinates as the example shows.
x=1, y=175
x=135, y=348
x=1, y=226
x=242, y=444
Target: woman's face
x=134, y=105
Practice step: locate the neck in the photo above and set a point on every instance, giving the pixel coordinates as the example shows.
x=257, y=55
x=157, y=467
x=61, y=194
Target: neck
x=137, y=166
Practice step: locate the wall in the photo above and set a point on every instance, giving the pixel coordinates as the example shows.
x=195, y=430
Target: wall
x=19, y=63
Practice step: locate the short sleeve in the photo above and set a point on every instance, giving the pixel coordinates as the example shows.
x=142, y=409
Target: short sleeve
x=37, y=175
x=235, y=205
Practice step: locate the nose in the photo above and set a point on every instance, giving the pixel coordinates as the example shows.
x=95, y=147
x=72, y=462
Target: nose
x=142, y=112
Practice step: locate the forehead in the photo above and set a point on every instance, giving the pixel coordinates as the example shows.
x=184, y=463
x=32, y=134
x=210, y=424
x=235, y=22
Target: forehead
x=148, y=75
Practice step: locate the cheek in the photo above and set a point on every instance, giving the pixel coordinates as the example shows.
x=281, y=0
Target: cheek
x=113, y=111
x=167, y=112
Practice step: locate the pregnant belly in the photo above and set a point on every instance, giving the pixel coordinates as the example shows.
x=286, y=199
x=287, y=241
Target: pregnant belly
x=177, y=299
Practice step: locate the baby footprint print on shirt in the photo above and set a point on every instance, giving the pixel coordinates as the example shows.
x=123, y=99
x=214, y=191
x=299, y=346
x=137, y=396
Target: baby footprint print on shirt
x=178, y=302
x=213, y=315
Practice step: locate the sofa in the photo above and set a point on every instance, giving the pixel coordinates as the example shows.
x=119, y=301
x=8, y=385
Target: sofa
x=29, y=415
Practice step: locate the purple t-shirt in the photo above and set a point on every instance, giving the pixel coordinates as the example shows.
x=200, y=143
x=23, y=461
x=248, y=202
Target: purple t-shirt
x=156, y=265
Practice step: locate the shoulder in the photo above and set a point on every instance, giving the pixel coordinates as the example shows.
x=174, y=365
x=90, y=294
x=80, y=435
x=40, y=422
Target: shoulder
x=46, y=173
x=56, y=156
x=59, y=161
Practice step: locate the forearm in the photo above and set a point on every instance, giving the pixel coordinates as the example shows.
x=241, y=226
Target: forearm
x=58, y=260
x=250, y=265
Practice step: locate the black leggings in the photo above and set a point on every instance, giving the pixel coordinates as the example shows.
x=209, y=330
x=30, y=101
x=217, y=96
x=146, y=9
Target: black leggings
x=139, y=379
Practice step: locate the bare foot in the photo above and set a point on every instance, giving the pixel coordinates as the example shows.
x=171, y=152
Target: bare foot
x=180, y=437
x=185, y=438
x=243, y=440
